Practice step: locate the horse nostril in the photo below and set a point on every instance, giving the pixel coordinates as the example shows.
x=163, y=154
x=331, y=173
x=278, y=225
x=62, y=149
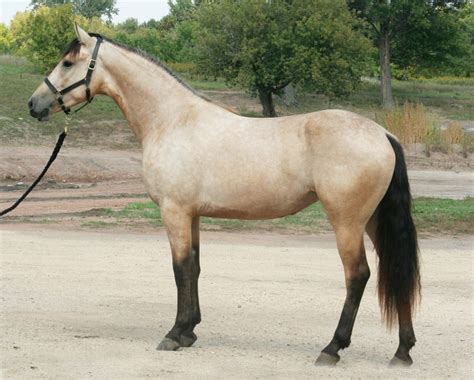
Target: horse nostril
x=30, y=104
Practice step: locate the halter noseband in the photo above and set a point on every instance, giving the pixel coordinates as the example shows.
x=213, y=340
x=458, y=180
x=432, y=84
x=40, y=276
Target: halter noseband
x=85, y=81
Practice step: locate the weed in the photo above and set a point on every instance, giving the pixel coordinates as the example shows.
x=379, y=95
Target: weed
x=410, y=123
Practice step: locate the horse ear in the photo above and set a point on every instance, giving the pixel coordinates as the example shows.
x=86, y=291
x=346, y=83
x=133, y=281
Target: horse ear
x=82, y=35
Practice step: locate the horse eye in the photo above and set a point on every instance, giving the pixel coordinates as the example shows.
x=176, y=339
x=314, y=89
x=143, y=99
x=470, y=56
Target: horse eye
x=67, y=63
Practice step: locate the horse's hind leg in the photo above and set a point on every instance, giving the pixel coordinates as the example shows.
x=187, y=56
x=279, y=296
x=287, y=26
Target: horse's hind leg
x=350, y=244
x=406, y=334
x=183, y=234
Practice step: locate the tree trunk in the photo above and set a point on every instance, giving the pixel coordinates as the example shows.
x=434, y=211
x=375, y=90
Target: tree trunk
x=266, y=100
x=384, y=61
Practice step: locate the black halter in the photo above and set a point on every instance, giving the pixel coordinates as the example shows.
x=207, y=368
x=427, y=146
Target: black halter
x=86, y=81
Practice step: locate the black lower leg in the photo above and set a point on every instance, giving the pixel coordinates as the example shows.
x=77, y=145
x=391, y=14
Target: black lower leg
x=188, y=314
x=406, y=335
x=342, y=336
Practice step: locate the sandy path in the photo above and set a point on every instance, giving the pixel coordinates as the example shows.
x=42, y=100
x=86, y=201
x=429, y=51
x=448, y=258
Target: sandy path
x=94, y=305
x=441, y=184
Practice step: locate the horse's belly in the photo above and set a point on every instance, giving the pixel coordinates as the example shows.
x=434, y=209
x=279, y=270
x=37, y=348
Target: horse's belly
x=252, y=207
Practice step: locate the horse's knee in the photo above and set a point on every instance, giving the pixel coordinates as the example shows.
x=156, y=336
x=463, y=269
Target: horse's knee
x=361, y=274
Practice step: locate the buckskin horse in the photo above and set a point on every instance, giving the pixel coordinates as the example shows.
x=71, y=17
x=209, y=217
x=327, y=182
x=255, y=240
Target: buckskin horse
x=200, y=159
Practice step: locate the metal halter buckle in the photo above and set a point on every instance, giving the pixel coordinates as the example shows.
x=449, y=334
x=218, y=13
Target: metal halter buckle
x=92, y=64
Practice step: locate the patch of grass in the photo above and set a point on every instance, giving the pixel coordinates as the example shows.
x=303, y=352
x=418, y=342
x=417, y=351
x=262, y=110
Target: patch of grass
x=248, y=113
x=305, y=221
x=444, y=215
x=98, y=224
x=458, y=81
x=207, y=85
x=449, y=98
x=431, y=215
x=18, y=81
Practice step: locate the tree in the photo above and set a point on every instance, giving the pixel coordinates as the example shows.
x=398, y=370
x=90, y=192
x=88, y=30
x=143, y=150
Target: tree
x=463, y=65
x=182, y=10
x=412, y=34
x=130, y=25
x=6, y=39
x=42, y=34
x=265, y=45
x=86, y=8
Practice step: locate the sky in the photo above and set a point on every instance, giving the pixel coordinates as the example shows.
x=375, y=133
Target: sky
x=142, y=10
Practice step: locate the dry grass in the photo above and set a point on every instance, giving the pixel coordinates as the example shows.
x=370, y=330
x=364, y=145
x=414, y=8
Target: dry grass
x=412, y=124
x=454, y=134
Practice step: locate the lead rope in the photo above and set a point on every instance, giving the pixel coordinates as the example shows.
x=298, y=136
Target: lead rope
x=56, y=150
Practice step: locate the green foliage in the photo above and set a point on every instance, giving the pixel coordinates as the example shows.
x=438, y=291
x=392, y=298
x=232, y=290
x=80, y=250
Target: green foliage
x=6, y=39
x=182, y=10
x=148, y=39
x=171, y=39
x=85, y=8
x=43, y=34
x=336, y=53
x=426, y=37
x=463, y=66
x=263, y=45
x=130, y=25
x=20, y=32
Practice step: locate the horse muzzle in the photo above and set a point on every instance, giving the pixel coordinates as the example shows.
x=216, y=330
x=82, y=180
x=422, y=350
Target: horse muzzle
x=42, y=115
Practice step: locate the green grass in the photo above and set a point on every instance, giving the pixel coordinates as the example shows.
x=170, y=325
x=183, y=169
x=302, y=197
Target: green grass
x=431, y=215
x=98, y=224
x=444, y=215
x=204, y=85
x=18, y=82
x=447, y=101
x=449, y=98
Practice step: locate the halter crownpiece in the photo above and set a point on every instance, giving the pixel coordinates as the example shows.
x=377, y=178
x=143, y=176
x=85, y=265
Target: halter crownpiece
x=85, y=81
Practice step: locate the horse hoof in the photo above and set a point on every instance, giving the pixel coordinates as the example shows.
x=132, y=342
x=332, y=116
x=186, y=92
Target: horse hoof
x=326, y=359
x=399, y=362
x=188, y=340
x=168, y=344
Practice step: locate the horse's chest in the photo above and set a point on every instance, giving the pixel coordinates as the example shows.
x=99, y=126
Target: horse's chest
x=168, y=176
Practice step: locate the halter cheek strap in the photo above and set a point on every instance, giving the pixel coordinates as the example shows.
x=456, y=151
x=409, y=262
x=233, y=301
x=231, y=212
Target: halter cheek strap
x=85, y=81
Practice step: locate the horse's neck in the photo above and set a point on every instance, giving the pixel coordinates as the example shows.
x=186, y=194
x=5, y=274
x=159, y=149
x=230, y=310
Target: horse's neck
x=148, y=96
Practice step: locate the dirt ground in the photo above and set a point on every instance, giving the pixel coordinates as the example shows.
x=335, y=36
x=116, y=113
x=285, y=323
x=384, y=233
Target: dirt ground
x=95, y=305
x=79, y=304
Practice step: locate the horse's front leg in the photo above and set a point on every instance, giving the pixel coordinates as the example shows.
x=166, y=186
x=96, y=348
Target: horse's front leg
x=183, y=234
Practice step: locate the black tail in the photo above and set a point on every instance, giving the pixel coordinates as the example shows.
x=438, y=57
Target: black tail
x=396, y=244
